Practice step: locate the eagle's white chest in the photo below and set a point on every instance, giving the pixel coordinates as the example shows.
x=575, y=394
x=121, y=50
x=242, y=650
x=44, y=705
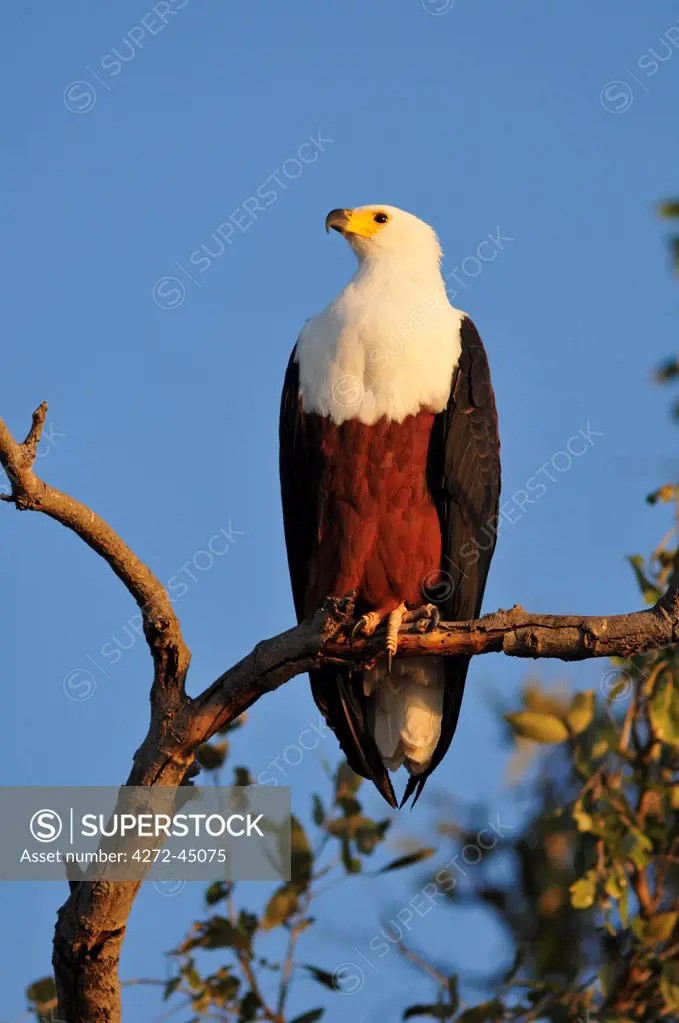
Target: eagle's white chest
x=386, y=346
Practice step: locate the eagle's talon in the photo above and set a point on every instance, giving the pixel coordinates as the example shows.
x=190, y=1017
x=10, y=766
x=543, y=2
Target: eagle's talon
x=425, y=618
x=365, y=626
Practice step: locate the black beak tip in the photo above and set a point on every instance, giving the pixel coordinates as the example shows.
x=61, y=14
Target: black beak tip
x=337, y=220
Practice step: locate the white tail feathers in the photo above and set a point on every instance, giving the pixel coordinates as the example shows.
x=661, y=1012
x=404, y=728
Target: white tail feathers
x=407, y=710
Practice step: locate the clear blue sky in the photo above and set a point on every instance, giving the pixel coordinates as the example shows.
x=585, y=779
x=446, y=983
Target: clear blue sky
x=484, y=117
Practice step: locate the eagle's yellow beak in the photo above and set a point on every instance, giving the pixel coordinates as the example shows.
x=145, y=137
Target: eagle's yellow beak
x=360, y=222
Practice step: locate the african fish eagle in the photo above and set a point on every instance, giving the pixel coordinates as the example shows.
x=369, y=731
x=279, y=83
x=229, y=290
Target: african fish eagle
x=390, y=478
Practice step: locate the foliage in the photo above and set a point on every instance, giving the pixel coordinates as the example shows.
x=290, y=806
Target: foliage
x=590, y=903
x=343, y=839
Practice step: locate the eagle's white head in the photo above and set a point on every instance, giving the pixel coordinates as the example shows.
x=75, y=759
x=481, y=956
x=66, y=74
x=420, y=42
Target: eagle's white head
x=385, y=232
x=388, y=343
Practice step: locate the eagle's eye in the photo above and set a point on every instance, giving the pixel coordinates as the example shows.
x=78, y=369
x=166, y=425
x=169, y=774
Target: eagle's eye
x=380, y=218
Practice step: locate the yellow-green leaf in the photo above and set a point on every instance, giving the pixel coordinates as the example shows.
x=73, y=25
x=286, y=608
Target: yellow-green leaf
x=581, y=711
x=660, y=928
x=529, y=724
x=42, y=994
x=281, y=906
x=650, y=592
x=583, y=891
x=407, y=861
x=664, y=713
x=211, y=755
x=584, y=821
x=302, y=858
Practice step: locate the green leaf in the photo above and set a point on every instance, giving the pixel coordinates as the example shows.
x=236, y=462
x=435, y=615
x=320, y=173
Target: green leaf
x=581, y=711
x=453, y=991
x=249, y=1006
x=217, y=932
x=351, y=863
x=538, y=727
x=438, y=1011
x=242, y=777
x=42, y=994
x=215, y=892
x=407, y=861
x=171, y=987
x=584, y=821
x=669, y=985
x=318, y=811
x=283, y=904
x=302, y=859
x=663, y=495
x=488, y=1012
x=309, y=1017
x=669, y=209
x=660, y=928
x=664, y=713
x=583, y=891
x=211, y=755
x=650, y=592
x=323, y=977
x=346, y=782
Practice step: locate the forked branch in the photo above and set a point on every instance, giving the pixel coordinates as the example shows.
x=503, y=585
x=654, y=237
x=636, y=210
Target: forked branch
x=91, y=924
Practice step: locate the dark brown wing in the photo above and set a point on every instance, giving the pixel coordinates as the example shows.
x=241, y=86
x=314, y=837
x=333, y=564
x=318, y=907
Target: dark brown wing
x=338, y=694
x=464, y=478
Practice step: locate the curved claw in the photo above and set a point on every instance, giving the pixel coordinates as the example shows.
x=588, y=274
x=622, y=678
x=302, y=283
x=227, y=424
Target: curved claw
x=365, y=626
x=425, y=618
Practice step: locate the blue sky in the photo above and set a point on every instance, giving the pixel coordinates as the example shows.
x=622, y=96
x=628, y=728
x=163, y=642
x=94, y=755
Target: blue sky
x=551, y=125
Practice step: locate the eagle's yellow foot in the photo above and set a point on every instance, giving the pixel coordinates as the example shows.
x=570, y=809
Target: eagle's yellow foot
x=426, y=618
x=393, y=625
x=366, y=625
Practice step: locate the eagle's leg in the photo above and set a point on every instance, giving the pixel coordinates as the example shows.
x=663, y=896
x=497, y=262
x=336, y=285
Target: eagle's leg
x=366, y=625
x=426, y=618
x=393, y=625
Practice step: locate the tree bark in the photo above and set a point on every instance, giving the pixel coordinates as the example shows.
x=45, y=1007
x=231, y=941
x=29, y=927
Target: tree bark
x=91, y=924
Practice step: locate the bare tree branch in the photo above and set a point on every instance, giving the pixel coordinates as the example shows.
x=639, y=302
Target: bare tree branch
x=91, y=923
